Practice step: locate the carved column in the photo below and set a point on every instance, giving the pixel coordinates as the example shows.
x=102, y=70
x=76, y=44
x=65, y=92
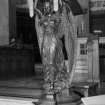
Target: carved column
x=12, y=19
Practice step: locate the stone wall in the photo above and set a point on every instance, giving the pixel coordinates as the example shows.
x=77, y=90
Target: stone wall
x=4, y=22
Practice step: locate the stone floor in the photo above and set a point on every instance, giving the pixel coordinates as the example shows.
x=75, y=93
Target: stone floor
x=32, y=87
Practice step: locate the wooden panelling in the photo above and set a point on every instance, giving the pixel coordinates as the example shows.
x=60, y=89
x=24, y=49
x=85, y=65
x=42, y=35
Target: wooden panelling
x=81, y=67
x=83, y=20
x=87, y=66
x=96, y=61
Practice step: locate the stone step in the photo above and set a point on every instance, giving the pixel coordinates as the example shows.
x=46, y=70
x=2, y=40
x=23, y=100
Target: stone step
x=28, y=101
x=22, y=92
x=16, y=101
x=68, y=104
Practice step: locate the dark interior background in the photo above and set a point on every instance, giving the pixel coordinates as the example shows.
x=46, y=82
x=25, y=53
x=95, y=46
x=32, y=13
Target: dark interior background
x=97, y=22
x=26, y=33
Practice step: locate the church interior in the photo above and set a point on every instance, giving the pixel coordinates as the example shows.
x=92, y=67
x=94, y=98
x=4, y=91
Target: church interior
x=21, y=61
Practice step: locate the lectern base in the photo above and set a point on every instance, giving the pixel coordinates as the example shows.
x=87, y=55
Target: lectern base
x=47, y=100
